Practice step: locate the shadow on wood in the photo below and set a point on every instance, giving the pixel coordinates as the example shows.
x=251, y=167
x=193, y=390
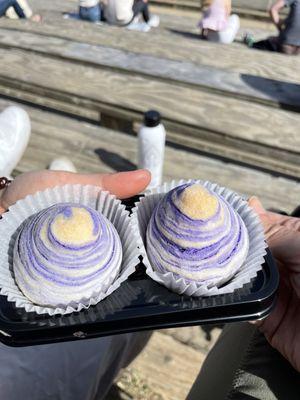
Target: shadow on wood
x=115, y=161
x=282, y=92
x=186, y=34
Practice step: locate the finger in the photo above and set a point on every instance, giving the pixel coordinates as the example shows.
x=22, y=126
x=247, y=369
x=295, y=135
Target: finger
x=122, y=184
x=256, y=204
x=267, y=217
x=126, y=184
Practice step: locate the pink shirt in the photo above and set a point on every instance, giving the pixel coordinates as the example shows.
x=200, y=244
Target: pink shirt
x=215, y=17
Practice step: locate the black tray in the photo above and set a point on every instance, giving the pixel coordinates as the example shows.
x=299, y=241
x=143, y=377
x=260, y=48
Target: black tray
x=141, y=304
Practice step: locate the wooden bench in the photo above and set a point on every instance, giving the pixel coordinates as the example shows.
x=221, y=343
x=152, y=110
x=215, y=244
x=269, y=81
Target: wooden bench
x=226, y=127
x=218, y=99
x=245, y=86
x=94, y=148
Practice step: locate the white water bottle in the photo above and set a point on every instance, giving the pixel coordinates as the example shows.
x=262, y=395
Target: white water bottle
x=151, y=146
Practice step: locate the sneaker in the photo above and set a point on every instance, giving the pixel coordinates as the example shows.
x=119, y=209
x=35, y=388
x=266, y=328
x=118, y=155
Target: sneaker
x=248, y=40
x=15, y=131
x=154, y=21
x=139, y=26
x=62, y=164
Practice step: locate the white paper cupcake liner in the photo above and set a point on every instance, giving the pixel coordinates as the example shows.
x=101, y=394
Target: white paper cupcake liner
x=257, y=245
x=90, y=196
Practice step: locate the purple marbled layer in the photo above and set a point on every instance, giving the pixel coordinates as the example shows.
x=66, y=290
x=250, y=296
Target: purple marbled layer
x=50, y=272
x=198, y=250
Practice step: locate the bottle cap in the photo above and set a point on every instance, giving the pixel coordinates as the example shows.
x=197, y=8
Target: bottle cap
x=152, y=118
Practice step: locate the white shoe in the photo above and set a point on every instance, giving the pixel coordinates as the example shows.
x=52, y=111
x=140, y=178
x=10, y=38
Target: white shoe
x=15, y=131
x=62, y=164
x=154, y=21
x=139, y=26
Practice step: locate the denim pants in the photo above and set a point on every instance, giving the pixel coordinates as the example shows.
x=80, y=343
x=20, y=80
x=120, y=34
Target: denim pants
x=92, y=14
x=243, y=366
x=6, y=4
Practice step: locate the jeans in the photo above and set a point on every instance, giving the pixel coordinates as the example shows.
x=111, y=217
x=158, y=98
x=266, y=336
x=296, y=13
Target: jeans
x=92, y=14
x=6, y=4
x=140, y=6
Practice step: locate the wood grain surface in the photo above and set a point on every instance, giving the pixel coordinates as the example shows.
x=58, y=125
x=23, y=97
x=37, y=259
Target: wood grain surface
x=248, y=87
x=176, y=40
x=93, y=148
x=251, y=133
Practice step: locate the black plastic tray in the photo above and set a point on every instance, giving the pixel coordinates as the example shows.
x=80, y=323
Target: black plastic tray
x=141, y=304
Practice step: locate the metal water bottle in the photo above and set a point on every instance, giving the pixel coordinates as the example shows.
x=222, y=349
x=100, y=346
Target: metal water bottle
x=151, y=146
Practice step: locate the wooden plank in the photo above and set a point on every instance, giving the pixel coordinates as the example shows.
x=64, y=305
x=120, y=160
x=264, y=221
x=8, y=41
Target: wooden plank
x=251, y=123
x=95, y=149
x=179, y=44
x=170, y=355
x=248, y=87
x=249, y=136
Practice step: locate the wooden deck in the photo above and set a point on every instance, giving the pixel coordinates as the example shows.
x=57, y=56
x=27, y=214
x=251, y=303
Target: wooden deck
x=232, y=116
x=254, y=95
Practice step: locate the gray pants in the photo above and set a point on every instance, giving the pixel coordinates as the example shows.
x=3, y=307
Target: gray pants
x=82, y=370
x=243, y=366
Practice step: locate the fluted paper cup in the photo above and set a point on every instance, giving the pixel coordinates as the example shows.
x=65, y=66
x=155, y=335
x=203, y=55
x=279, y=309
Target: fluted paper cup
x=86, y=195
x=257, y=245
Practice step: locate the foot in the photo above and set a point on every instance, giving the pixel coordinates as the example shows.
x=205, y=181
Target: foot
x=62, y=164
x=15, y=131
x=154, y=21
x=139, y=26
x=248, y=40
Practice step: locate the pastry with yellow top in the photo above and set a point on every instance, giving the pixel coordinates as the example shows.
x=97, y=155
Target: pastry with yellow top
x=64, y=253
x=195, y=234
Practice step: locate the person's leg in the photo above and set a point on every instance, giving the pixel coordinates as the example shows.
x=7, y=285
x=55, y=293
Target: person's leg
x=6, y=4
x=228, y=35
x=92, y=14
x=141, y=7
x=243, y=366
x=68, y=371
x=289, y=49
x=269, y=44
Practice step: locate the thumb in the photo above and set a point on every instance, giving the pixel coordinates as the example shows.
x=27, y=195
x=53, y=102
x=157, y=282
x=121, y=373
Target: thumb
x=126, y=184
x=122, y=184
x=256, y=204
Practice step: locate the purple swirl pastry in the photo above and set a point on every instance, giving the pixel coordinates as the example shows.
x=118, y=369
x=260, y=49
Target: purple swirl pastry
x=195, y=234
x=64, y=254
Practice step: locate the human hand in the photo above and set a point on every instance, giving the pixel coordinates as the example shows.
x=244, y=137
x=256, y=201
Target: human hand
x=282, y=326
x=122, y=184
x=36, y=18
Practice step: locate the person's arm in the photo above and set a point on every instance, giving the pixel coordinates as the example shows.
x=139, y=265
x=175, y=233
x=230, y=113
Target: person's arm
x=274, y=12
x=228, y=7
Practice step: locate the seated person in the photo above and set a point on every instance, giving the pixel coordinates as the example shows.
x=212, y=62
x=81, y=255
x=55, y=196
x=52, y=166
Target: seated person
x=288, y=40
x=217, y=25
x=15, y=9
x=125, y=12
x=89, y=10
